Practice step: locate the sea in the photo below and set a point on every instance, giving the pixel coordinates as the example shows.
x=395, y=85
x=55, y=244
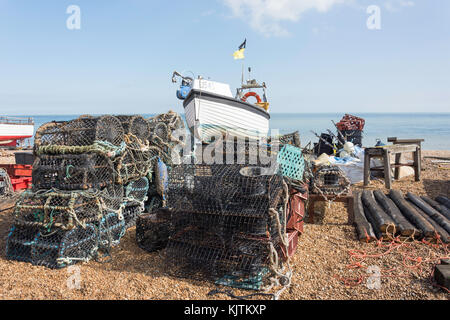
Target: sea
x=433, y=127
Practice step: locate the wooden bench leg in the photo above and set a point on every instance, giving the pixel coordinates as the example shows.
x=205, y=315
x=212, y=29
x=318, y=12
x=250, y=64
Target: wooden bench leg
x=387, y=169
x=366, y=169
x=398, y=160
x=417, y=164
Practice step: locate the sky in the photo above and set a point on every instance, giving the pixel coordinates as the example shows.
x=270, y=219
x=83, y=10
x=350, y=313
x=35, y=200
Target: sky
x=314, y=55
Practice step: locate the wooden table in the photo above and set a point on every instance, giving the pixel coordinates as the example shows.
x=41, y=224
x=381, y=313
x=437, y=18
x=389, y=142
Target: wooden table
x=346, y=198
x=398, y=157
x=384, y=153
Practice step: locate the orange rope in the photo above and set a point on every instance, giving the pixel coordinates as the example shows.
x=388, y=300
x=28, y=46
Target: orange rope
x=411, y=260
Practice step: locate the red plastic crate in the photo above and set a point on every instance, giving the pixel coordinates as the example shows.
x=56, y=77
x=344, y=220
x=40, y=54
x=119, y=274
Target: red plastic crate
x=21, y=183
x=17, y=170
x=296, y=209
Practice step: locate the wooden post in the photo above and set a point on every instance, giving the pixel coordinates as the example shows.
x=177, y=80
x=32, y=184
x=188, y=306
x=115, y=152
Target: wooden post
x=387, y=168
x=366, y=168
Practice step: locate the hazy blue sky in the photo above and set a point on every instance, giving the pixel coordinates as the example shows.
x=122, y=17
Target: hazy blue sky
x=314, y=55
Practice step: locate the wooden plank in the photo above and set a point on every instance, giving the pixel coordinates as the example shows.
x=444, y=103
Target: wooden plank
x=399, y=148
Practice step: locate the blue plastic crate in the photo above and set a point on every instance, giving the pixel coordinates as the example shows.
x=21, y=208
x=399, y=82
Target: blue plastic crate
x=291, y=162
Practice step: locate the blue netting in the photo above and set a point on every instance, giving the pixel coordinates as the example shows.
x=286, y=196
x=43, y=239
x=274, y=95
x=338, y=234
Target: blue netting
x=291, y=162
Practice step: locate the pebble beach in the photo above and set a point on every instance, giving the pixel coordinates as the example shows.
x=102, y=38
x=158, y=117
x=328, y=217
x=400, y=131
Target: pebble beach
x=323, y=267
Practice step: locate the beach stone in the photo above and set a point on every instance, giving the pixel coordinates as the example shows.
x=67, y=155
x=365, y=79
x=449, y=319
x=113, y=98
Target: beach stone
x=442, y=275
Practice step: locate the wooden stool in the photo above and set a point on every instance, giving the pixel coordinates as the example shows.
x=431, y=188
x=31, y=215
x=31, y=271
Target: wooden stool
x=347, y=198
x=384, y=153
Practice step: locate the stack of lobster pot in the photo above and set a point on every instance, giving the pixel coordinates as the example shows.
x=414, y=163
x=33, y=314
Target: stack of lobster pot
x=89, y=185
x=228, y=224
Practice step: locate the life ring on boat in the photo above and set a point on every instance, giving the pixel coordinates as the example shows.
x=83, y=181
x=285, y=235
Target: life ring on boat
x=251, y=94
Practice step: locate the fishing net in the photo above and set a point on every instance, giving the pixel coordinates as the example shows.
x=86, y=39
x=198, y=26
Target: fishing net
x=58, y=137
x=153, y=230
x=330, y=180
x=135, y=125
x=73, y=171
x=228, y=220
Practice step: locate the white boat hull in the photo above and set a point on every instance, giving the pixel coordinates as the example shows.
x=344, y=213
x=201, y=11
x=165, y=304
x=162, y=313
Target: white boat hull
x=218, y=117
x=9, y=133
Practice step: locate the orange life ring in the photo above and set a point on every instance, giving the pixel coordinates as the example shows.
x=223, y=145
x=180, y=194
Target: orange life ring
x=252, y=94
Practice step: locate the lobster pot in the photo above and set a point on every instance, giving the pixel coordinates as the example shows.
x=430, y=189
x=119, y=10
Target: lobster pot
x=244, y=152
x=227, y=221
x=223, y=189
x=171, y=121
x=330, y=180
x=73, y=171
x=135, y=125
x=161, y=138
x=135, y=163
x=153, y=230
x=215, y=258
x=111, y=229
x=154, y=202
x=83, y=131
x=290, y=138
x=55, y=249
x=130, y=214
x=137, y=190
x=65, y=209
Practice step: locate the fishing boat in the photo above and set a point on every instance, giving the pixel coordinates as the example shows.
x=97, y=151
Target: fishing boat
x=212, y=111
x=13, y=130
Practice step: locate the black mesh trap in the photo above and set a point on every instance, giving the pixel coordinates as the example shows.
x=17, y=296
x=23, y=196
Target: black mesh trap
x=228, y=220
x=58, y=248
x=153, y=230
x=73, y=171
x=83, y=131
x=330, y=180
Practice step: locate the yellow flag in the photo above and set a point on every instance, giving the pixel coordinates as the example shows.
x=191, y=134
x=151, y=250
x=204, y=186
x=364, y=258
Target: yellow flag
x=239, y=54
